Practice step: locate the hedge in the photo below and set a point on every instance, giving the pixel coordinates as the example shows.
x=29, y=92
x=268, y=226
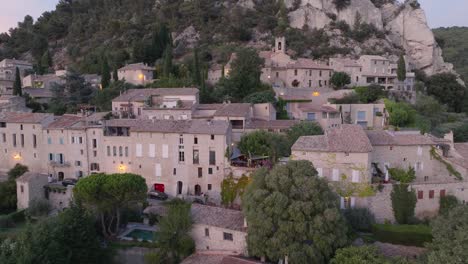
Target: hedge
x=409, y=235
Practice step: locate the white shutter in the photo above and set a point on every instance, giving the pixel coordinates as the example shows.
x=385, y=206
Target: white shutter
x=342, y=203
x=386, y=166
x=336, y=175
x=139, y=150
x=158, y=170
x=152, y=151
x=420, y=151
x=353, y=202
x=165, y=151
x=355, y=176
x=320, y=172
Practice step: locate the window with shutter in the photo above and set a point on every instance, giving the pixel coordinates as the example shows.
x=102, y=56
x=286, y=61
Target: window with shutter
x=165, y=151
x=152, y=151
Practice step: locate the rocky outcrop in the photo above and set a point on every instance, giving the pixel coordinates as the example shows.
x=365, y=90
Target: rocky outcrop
x=409, y=29
x=405, y=24
x=319, y=13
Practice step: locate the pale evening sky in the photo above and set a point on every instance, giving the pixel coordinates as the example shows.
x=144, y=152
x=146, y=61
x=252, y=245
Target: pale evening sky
x=439, y=12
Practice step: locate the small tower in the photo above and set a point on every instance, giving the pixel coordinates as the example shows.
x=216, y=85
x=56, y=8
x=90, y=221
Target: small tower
x=280, y=45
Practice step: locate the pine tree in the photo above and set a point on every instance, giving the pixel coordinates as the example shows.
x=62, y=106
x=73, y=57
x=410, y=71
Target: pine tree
x=283, y=19
x=46, y=62
x=167, y=63
x=105, y=73
x=401, y=71
x=17, y=88
x=197, y=78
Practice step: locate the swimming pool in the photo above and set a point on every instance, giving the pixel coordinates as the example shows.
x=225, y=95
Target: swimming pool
x=140, y=234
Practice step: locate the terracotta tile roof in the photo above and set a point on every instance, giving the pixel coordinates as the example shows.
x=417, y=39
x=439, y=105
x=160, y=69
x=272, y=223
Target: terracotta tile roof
x=218, y=217
x=64, y=121
x=234, y=110
x=136, y=67
x=209, y=106
x=172, y=126
x=271, y=124
x=308, y=64
x=32, y=118
x=141, y=95
x=346, y=138
x=397, y=138
x=38, y=92
x=28, y=176
x=307, y=107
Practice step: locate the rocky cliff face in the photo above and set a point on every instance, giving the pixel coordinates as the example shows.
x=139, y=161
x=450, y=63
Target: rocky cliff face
x=405, y=26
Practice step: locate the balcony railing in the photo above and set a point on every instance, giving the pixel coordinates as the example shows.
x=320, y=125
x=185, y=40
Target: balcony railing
x=59, y=164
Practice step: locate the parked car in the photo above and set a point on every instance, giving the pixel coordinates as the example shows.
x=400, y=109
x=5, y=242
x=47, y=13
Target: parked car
x=157, y=195
x=69, y=181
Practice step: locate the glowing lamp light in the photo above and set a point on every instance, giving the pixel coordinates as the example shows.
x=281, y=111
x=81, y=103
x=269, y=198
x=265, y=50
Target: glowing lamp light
x=141, y=76
x=269, y=76
x=122, y=168
x=315, y=94
x=17, y=157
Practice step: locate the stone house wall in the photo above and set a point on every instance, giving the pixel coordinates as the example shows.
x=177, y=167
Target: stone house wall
x=215, y=240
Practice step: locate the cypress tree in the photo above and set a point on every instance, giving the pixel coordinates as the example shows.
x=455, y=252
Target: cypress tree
x=105, y=73
x=197, y=78
x=17, y=88
x=115, y=74
x=167, y=63
x=46, y=60
x=401, y=71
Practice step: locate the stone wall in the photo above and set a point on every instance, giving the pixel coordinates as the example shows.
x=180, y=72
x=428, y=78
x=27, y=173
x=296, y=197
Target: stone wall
x=381, y=204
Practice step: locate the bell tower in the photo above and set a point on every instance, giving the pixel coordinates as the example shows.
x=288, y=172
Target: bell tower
x=280, y=45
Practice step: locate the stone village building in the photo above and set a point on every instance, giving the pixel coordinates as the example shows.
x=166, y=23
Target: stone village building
x=350, y=156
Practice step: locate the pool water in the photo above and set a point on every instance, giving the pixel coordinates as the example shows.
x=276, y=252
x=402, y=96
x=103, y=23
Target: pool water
x=141, y=234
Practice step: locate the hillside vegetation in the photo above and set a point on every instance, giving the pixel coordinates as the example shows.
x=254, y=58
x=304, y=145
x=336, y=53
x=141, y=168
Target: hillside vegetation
x=454, y=43
x=80, y=32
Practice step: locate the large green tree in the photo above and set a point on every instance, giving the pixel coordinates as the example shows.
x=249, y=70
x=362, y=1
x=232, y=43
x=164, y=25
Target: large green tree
x=69, y=238
x=340, y=80
x=8, y=197
x=173, y=239
x=243, y=78
x=292, y=212
x=109, y=195
x=370, y=94
x=17, y=86
x=359, y=255
x=445, y=87
x=263, y=143
x=450, y=242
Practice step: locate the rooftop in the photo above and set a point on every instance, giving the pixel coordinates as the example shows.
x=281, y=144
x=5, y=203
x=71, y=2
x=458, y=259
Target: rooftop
x=308, y=107
x=64, y=121
x=234, y=110
x=136, y=67
x=172, y=126
x=398, y=138
x=271, y=124
x=28, y=176
x=38, y=92
x=346, y=138
x=208, y=215
x=216, y=258
x=140, y=95
x=302, y=63
x=32, y=118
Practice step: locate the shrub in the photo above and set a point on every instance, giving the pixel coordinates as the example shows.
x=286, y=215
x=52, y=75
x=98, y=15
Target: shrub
x=38, y=208
x=340, y=80
x=409, y=235
x=447, y=203
x=370, y=94
x=360, y=219
x=18, y=216
x=6, y=221
x=17, y=171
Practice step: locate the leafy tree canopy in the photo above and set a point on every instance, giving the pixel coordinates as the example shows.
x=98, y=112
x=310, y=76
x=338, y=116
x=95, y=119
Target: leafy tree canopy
x=292, y=212
x=109, y=195
x=450, y=243
x=370, y=94
x=445, y=87
x=340, y=80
